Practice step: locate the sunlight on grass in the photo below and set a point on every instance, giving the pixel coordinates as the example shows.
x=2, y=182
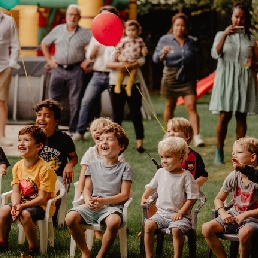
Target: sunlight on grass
x=144, y=170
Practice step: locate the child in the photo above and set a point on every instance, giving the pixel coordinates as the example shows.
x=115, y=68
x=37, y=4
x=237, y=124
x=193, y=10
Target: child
x=181, y=127
x=94, y=154
x=129, y=49
x=107, y=187
x=241, y=219
x=33, y=184
x=177, y=192
x=3, y=162
x=59, y=151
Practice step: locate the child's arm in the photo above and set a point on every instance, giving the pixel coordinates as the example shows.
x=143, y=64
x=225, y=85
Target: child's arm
x=3, y=169
x=68, y=173
x=185, y=208
x=148, y=192
x=87, y=191
x=219, y=206
x=81, y=182
x=201, y=180
x=250, y=213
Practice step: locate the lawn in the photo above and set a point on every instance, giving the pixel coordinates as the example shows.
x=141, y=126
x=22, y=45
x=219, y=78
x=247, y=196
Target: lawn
x=144, y=169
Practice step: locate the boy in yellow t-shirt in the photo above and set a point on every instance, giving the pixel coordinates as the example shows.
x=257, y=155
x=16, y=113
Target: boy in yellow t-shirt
x=33, y=185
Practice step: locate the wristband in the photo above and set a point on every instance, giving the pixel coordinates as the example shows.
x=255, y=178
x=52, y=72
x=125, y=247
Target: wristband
x=220, y=208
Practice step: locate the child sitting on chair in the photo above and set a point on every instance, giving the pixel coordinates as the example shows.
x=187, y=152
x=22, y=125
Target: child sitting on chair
x=4, y=163
x=177, y=192
x=241, y=219
x=129, y=49
x=181, y=127
x=33, y=184
x=107, y=187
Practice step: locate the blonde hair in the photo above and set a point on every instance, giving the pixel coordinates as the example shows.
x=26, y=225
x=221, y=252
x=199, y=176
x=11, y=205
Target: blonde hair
x=174, y=145
x=182, y=124
x=250, y=144
x=99, y=123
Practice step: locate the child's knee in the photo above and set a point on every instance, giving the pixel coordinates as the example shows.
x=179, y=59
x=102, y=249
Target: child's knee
x=70, y=218
x=206, y=229
x=245, y=234
x=176, y=232
x=150, y=226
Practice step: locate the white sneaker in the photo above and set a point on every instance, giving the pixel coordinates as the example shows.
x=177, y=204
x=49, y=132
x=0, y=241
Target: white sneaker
x=5, y=143
x=77, y=137
x=87, y=135
x=198, y=141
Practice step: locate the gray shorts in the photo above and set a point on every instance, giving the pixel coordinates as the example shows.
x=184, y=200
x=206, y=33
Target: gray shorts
x=183, y=224
x=233, y=228
x=90, y=217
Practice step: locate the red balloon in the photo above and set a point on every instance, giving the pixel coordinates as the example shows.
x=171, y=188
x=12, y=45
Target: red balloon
x=107, y=29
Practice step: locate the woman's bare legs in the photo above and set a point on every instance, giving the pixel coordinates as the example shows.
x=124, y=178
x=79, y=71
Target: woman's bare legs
x=240, y=125
x=169, y=109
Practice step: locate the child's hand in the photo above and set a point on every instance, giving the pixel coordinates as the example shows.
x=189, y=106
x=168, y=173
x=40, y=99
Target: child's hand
x=240, y=218
x=2, y=171
x=96, y=203
x=227, y=218
x=144, y=200
x=15, y=211
x=237, y=165
x=177, y=216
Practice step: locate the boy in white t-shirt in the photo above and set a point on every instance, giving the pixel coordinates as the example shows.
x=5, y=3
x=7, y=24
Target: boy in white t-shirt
x=177, y=191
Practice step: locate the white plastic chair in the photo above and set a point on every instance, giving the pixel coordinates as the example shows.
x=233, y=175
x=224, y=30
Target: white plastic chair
x=46, y=228
x=0, y=189
x=62, y=209
x=76, y=191
x=90, y=229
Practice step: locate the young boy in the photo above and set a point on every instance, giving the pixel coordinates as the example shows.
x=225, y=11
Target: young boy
x=4, y=163
x=59, y=151
x=177, y=191
x=181, y=127
x=107, y=187
x=242, y=217
x=33, y=184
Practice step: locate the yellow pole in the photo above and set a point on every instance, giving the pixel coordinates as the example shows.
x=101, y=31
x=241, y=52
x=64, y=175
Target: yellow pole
x=132, y=10
x=90, y=8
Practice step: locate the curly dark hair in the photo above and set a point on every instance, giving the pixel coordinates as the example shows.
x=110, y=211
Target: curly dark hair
x=109, y=8
x=37, y=133
x=119, y=133
x=248, y=22
x=52, y=105
x=182, y=16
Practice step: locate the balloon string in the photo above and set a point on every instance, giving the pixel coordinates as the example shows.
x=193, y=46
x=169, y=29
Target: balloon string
x=24, y=67
x=153, y=113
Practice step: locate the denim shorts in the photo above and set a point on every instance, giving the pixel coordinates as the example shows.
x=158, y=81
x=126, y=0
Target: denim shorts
x=36, y=212
x=90, y=217
x=183, y=224
x=233, y=228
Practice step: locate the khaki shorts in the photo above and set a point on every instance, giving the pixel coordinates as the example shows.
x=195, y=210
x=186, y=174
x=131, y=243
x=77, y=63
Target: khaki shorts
x=5, y=81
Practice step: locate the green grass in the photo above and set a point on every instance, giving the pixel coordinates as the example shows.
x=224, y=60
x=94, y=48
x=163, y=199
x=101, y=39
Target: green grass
x=144, y=170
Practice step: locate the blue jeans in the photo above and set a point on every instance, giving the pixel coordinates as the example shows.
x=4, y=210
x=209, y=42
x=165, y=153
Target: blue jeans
x=98, y=83
x=74, y=80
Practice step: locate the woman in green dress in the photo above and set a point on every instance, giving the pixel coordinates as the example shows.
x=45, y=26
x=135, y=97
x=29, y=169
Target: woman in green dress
x=234, y=91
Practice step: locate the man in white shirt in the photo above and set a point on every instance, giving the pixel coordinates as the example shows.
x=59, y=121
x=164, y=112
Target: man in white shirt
x=9, y=52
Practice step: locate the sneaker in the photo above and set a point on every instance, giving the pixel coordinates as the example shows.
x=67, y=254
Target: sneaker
x=33, y=251
x=140, y=150
x=198, y=141
x=86, y=135
x=5, y=143
x=77, y=137
x=3, y=247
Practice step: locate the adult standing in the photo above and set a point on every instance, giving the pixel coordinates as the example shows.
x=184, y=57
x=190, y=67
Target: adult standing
x=99, y=80
x=234, y=90
x=177, y=51
x=118, y=100
x=9, y=53
x=69, y=62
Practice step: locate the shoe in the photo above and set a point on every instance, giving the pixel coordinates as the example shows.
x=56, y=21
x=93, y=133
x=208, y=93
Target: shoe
x=198, y=141
x=86, y=135
x=3, y=247
x=219, y=156
x=140, y=150
x=33, y=251
x=5, y=143
x=77, y=137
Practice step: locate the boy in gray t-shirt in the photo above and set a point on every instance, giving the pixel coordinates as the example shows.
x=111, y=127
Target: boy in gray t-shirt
x=107, y=187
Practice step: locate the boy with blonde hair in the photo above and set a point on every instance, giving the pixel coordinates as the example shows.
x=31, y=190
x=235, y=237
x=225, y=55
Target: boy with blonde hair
x=242, y=218
x=181, y=127
x=107, y=187
x=33, y=185
x=177, y=192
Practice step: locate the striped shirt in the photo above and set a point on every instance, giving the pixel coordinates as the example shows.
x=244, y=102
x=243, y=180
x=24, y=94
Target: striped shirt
x=8, y=40
x=69, y=47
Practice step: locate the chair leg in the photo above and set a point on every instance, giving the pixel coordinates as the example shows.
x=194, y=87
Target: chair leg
x=51, y=233
x=72, y=247
x=234, y=249
x=160, y=240
x=123, y=241
x=209, y=253
x=191, y=236
x=43, y=230
x=21, y=234
x=62, y=210
x=90, y=236
x=142, y=246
